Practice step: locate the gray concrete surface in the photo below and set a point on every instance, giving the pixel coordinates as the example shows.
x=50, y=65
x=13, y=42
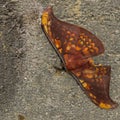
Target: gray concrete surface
x=29, y=84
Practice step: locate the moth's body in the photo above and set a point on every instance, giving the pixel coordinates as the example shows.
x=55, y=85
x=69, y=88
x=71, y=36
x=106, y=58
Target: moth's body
x=75, y=46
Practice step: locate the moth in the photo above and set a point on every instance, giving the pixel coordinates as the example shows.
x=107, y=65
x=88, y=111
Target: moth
x=76, y=46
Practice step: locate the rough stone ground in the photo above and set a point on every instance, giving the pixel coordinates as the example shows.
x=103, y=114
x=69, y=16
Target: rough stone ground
x=30, y=87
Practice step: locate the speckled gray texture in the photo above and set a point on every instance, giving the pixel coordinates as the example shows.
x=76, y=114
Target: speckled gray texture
x=39, y=92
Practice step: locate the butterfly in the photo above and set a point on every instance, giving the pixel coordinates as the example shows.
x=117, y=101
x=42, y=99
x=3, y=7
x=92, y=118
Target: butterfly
x=76, y=46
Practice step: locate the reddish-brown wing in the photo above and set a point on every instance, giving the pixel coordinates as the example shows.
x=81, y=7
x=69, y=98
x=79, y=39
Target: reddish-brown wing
x=75, y=46
x=95, y=82
x=69, y=38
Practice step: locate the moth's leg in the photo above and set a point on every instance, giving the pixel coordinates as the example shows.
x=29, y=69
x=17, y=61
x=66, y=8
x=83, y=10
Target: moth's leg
x=61, y=67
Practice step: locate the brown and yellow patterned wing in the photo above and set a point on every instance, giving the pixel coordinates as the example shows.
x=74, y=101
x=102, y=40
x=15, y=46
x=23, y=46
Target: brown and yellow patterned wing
x=68, y=38
x=95, y=82
x=75, y=46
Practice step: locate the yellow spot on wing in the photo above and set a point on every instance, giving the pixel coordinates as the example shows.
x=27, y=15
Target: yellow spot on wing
x=68, y=32
x=68, y=47
x=80, y=42
x=92, y=44
x=71, y=39
x=73, y=46
x=81, y=36
x=46, y=29
x=85, y=51
x=90, y=40
x=78, y=48
x=44, y=21
x=89, y=46
x=96, y=49
x=91, y=50
x=73, y=34
x=83, y=39
x=60, y=50
x=87, y=43
x=86, y=86
x=93, y=96
x=57, y=43
x=81, y=81
x=78, y=74
x=45, y=18
x=88, y=73
x=104, y=105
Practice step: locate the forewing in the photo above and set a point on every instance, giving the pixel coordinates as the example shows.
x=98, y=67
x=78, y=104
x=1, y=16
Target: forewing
x=68, y=38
